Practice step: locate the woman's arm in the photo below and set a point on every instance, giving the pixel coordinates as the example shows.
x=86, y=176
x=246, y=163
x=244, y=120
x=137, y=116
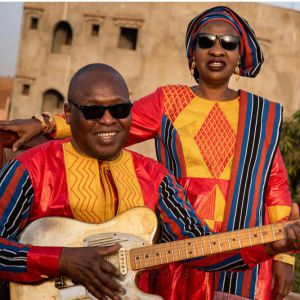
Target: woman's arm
x=146, y=118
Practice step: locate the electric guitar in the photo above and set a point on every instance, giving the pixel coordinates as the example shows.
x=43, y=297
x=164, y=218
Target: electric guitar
x=136, y=231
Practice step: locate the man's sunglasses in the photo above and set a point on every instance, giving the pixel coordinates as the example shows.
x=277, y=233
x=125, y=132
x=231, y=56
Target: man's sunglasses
x=94, y=112
x=227, y=42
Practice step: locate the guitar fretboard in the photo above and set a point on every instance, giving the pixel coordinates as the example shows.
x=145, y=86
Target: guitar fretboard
x=154, y=255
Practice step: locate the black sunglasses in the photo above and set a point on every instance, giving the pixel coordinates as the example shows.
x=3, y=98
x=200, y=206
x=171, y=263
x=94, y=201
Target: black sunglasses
x=227, y=42
x=93, y=112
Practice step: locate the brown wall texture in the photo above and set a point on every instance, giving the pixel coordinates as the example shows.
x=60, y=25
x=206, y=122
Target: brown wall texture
x=59, y=38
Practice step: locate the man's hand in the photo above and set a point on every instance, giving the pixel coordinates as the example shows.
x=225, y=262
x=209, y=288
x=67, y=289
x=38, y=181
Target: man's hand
x=24, y=128
x=283, y=279
x=292, y=240
x=86, y=266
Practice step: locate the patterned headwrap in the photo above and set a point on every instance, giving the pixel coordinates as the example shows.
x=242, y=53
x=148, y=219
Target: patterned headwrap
x=251, y=57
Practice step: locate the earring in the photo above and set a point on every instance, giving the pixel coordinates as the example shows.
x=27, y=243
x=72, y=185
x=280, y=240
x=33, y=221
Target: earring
x=193, y=66
x=237, y=72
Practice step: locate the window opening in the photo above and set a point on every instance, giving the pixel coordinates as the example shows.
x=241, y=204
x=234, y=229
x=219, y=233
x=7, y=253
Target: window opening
x=62, y=37
x=128, y=38
x=95, y=30
x=53, y=101
x=26, y=89
x=34, y=23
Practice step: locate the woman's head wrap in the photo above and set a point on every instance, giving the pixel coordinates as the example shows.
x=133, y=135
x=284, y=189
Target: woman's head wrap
x=251, y=57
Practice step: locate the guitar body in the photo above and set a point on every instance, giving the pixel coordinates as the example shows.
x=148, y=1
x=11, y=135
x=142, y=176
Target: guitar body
x=135, y=228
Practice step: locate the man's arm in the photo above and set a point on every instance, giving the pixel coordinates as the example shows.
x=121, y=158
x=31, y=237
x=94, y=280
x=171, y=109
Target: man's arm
x=21, y=262
x=24, y=263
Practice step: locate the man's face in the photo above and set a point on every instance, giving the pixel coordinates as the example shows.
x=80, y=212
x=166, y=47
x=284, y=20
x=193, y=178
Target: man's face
x=105, y=137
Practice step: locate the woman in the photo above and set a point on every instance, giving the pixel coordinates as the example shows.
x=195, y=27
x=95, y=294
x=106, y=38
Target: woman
x=222, y=145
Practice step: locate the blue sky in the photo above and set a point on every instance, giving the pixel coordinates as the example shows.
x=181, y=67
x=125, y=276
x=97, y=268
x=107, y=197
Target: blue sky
x=10, y=24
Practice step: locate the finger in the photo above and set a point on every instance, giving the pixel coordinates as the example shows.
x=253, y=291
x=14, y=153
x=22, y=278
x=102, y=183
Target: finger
x=275, y=288
x=18, y=143
x=277, y=295
x=105, y=285
x=293, y=236
x=289, y=282
x=286, y=291
x=109, y=286
x=108, y=249
x=95, y=286
x=294, y=215
x=95, y=291
x=5, y=123
x=107, y=267
x=109, y=281
x=296, y=229
x=281, y=287
x=8, y=127
x=115, y=295
x=273, y=283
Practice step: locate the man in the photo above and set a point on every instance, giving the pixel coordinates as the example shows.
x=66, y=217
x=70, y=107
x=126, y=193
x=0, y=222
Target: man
x=90, y=177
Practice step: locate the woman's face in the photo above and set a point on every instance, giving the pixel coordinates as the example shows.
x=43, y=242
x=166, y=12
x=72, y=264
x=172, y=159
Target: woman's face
x=215, y=65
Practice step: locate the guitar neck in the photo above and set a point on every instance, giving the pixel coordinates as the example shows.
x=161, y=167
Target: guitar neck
x=159, y=254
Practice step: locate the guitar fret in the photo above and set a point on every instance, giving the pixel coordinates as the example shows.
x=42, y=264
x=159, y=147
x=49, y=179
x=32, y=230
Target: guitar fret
x=228, y=241
x=148, y=257
x=273, y=233
x=169, y=252
x=137, y=259
x=173, y=258
x=186, y=251
x=202, y=250
x=166, y=254
x=239, y=241
x=141, y=259
x=249, y=234
x=261, y=236
x=209, y=243
x=159, y=254
x=193, y=246
x=145, y=257
x=219, y=243
x=179, y=252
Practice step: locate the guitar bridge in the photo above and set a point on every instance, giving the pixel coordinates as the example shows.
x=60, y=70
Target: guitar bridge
x=62, y=283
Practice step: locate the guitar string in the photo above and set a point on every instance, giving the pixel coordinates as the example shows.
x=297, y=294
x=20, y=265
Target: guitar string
x=145, y=253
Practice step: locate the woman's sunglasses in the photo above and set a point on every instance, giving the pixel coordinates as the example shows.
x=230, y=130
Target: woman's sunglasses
x=227, y=42
x=93, y=112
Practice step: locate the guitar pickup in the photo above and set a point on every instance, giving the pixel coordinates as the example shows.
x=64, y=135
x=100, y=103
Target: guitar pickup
x=122, y=261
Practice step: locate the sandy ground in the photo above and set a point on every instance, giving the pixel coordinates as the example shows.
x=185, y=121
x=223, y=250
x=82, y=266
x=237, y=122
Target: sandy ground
x=293, y=296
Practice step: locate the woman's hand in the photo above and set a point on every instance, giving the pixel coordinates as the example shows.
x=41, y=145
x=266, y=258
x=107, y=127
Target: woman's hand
x=24, y=128
x=291, y=241
x=86, y=266
x=283, y=279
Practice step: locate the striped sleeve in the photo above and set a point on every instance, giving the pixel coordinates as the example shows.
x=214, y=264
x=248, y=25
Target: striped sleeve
x=16, y=198
x=178, y=220
x=177, y=217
